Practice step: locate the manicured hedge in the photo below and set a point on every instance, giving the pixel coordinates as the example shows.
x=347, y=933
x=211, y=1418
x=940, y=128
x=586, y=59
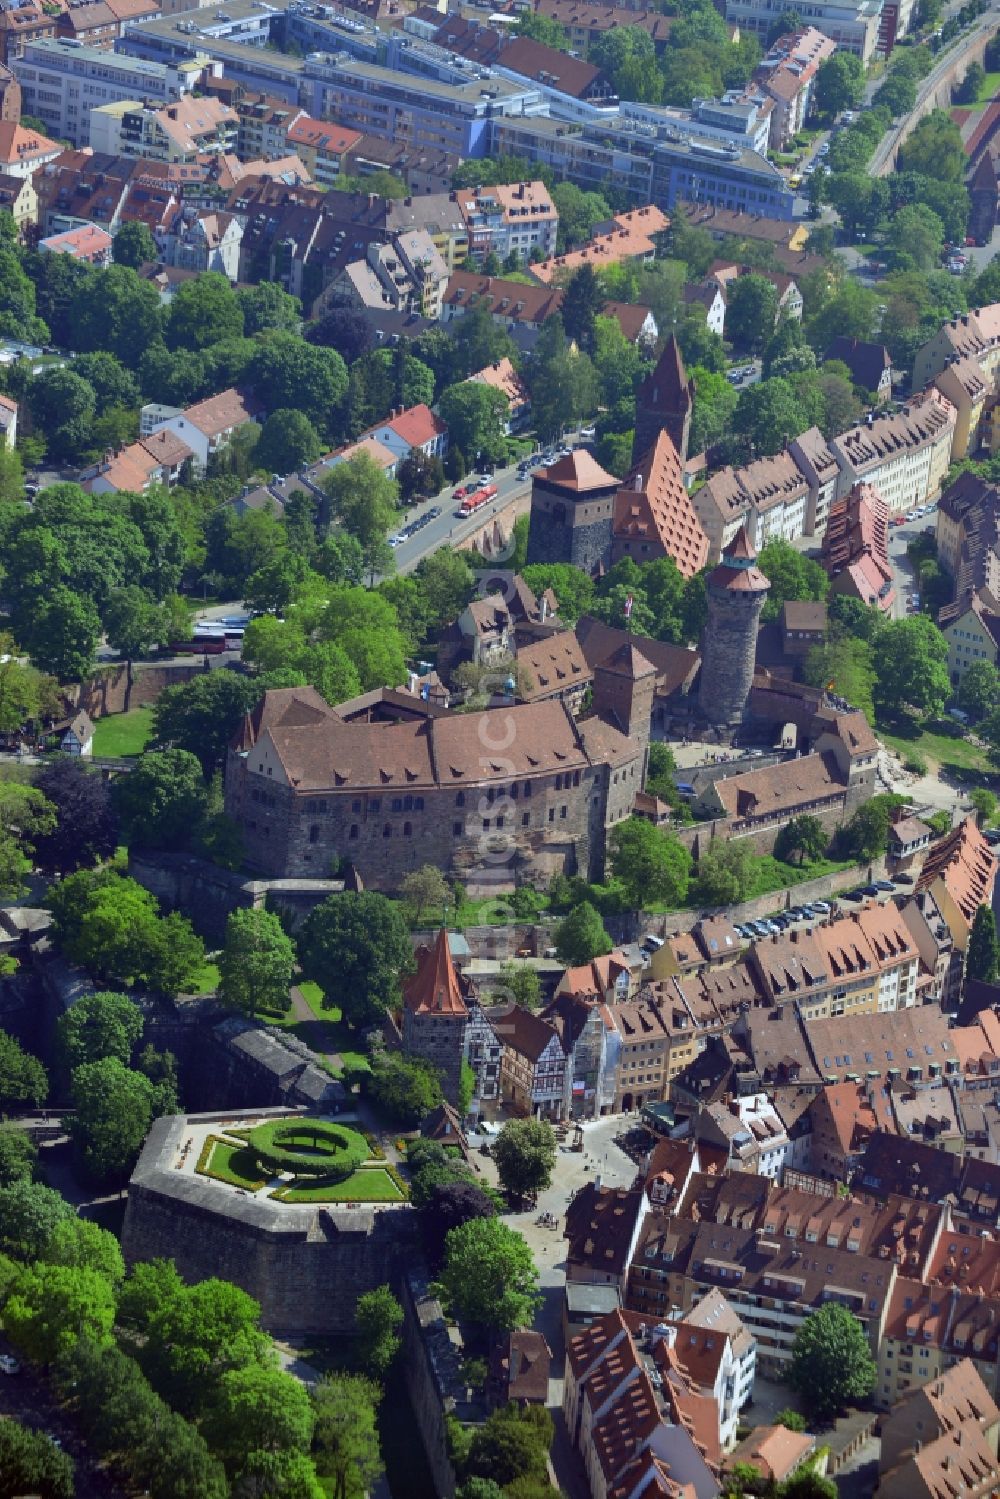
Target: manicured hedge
x=309, y=1147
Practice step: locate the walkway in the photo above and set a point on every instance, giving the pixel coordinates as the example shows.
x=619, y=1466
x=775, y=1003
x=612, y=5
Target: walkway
x=319, y=1035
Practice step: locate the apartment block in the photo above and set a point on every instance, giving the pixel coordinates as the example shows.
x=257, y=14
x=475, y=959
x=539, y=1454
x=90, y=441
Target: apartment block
x=905, y=455
x=63, y=81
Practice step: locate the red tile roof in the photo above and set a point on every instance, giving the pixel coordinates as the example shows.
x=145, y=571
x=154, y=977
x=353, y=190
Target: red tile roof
x=434, y=988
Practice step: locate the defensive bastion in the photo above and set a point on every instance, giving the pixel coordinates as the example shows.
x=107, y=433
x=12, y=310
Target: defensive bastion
x=306, y=1263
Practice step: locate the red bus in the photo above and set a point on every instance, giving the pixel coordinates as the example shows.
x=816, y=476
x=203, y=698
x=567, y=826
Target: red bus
x=477, y=499
x=208, y=645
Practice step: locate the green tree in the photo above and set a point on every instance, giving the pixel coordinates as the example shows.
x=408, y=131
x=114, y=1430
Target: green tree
x=726, y=874
x=583, y=298
x=562, y=381
x=580, y=936
x=714, y=404
x=525, y=1156
x=256, y=964
x=365, y=501
x=540, y=29
x=62, y=635
x=791, y=576
x=81, y=1244
x=22, y=1076
x=294, y=375
x=912, y=667
x=355, y=946
x=204, y=311
x=767, y=416
x=983, y=957
x=133, y=622
x=512, y=1444
x=162, y=800
x=848, y=664
x=651, y=864
x=801, y=841
x=831, y=1365
x=407, y=1088
x=378, y=1316
x=751, y=312
x=520, y=984
x=573, y=588
x=266, y=307
x=425, y=889
x=288, y=443
x=29, y=1215
x=134, y=244
x=18, y=1155
x=195, y=1336
x=201, y=716
x=114, y=1108
x=840, y=83
x=476, y=416
x=63, y=407
x=934, y=149
x=51, y=1306
x=984, y=804
x=865, y=835
x=261, y=1408
x=118, y=312
x=578, y=213
x=979, y=689
x=916, y=237
x=97, y=1026
x=346, y=1434
x=31, y=1463
x=489, y=1276
x=627, y=56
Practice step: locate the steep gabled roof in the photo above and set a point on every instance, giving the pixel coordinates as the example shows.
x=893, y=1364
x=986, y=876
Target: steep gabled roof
x=434, y=989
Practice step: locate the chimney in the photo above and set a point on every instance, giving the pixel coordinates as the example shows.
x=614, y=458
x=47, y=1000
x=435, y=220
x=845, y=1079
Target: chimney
x=597, y=1182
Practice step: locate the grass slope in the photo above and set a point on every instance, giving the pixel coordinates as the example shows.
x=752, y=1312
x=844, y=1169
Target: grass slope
x=122, y=734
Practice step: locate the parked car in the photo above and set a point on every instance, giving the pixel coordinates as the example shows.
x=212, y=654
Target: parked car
x=9, y=1364
x=588, y=432
x=869, y=890
x=460, y=492
x=434, y=512
x=883, y=884
x=905, y=879
x=822, y=906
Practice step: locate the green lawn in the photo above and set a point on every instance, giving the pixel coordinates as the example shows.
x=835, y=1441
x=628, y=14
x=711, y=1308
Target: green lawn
x=771, y=874
x=949, y=752
x=367, y=1184
x=205, y=979
x=989, y=87
x=123, y=733
x=328, y=1024
x=234, y=1164
x=491, y=910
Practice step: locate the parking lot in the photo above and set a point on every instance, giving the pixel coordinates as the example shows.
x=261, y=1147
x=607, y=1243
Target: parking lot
x=812, y=913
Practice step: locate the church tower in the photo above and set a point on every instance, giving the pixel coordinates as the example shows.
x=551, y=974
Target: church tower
x=737, y=590
x=664, y=402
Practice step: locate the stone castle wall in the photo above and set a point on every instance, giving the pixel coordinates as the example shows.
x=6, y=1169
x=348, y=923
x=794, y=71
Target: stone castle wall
x=306, y=1266
x=105, y=692
x=728, y=651
x=549, y=825
x=207, y=893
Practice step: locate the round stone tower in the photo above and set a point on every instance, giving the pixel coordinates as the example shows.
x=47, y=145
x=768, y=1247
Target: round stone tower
x=736, y=593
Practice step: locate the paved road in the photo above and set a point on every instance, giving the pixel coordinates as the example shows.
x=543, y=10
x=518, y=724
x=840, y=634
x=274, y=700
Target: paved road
x=881, y=163
x=448, y=527
x=902, y=567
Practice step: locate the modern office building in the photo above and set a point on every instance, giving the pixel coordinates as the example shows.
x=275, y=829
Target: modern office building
x=62, y=81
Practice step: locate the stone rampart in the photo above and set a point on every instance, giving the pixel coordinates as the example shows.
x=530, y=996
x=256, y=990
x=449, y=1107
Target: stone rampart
x=106, y=691
x=207, y=893
x=306, y=1265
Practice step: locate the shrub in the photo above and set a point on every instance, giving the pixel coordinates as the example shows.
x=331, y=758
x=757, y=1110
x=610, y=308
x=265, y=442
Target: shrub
x=308, y=1147
x=915, y=763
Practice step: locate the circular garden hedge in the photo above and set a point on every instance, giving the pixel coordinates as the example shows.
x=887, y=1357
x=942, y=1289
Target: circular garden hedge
x=308, y=1147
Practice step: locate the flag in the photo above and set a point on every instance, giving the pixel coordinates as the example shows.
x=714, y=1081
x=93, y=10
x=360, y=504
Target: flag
x=628, y=606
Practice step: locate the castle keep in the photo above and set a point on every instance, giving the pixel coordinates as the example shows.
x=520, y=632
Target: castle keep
x=390, y=783
x=737, y=590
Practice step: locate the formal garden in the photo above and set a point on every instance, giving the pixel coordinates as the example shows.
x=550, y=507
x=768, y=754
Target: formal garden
x=302, y=1160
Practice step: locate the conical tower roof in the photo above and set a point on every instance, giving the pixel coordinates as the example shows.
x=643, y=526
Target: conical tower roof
x=738, y=571
x=434, y=989
x=667, y=388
